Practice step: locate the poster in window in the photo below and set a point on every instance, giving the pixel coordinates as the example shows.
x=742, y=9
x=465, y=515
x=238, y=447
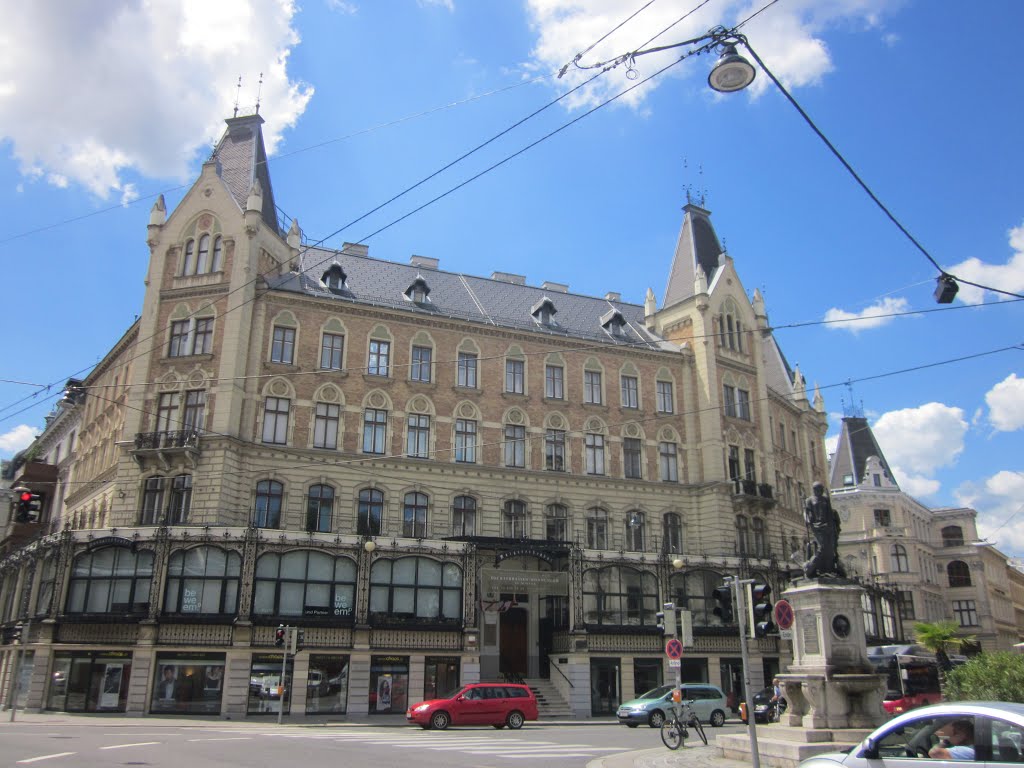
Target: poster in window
x=383, y=693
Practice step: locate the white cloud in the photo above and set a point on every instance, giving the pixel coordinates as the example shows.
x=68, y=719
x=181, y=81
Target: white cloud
x=869, y=317
x=17, y=439
x=448, y=5
x=1007, y=277
x=93, y=90
x=919, y=441
x=1000, y=510
x=786, y=37
x=349, y=9
x=1006, y=404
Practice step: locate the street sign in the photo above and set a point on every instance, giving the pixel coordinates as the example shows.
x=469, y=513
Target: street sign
x=674, y=663
x=783, y=615
x=785, y=634
x=674, y=649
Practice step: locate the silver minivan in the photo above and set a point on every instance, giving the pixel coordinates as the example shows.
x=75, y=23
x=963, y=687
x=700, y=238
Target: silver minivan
x=651, y=708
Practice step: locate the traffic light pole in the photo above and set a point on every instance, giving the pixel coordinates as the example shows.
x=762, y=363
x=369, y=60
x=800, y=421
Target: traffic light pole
x=739, y=601
x=284, y=671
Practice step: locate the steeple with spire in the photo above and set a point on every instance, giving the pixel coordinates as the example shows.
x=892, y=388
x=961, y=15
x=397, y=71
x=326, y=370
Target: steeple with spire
x=859, y=458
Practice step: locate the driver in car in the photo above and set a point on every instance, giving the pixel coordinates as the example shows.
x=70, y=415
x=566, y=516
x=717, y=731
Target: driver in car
x=956, y=741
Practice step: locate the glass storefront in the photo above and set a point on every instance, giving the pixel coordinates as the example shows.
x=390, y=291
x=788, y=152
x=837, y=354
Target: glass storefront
x=89, y=682
x=389, y=684
x=266, y=691
x=604, y=686
x=326, y=684
x=440, y=677
x=647, y=675
x=188, y=683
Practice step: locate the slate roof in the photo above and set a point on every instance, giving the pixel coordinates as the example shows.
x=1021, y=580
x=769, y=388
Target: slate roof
x=467, y=297
x=856, y=445
x=697, y=248
x=241, y=159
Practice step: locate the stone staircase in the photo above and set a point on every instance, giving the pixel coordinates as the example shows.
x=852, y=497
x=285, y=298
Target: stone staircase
x=550, y=703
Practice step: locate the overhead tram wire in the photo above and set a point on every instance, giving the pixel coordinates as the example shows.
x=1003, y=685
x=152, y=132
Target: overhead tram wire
x=607, y=34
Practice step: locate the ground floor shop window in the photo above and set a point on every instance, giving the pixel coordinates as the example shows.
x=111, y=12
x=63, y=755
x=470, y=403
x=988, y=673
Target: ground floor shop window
x=389, y=684
x=188, y=683
x=646, y=675
x=694, y=670
x=267, y=692
x=440, y=677
x=89, y=682
x=604, y=686
x=326, y=685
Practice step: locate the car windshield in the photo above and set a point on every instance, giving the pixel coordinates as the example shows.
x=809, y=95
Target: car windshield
x=657, y=693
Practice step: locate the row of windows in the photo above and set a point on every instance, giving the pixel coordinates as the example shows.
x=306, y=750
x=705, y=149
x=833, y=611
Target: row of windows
x=203, y=256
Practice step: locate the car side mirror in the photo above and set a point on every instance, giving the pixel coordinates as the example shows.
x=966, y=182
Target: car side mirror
x=870, y=749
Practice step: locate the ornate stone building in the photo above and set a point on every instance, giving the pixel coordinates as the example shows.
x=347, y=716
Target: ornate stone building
x=439, y=477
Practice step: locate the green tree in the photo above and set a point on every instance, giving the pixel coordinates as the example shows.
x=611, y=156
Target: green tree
x=941, y=638
x=997, y=676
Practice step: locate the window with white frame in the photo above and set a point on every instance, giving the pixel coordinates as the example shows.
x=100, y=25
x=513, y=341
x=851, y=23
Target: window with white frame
x=379, y=359
x=594, y=453
x=467, y=370
x=375, y=427
x=672, y=533
x=630, y=392
x=554, y=450
x=202, y=338
x=632, y=464
x=179, y=338
x=513, y=520
x=554, y=382
x=370, y=513
x=900, y=561
x=195, y=409
x=167, y=412
x=417, y=443
x=666, y=400
x=515, y=445
x=743, y=404
x=319, y=508
x=515, y=375
x=464, y=516
x=636, y=531
x=414, y=516
x=325, y=425
x=269, y=500
x=592, y=387
x=422, y=358
x=282, y=349
x=332, y=348
x=669, y=462
x=729, y=399
x=275, y=420
x=556, y=522
x=597, y=528
x=465, y=441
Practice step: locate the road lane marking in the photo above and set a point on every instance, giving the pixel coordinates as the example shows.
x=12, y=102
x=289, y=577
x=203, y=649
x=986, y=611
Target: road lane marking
x=226, y=738
x=46, y=757
x=136, y=744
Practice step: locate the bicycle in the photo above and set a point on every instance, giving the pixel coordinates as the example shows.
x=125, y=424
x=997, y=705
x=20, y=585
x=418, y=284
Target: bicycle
x=674, y=729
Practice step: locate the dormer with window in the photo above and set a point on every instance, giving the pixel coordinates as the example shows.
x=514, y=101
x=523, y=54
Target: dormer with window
x=614, y=323
x=544, y=312
x=334, y=279
x=418, y=291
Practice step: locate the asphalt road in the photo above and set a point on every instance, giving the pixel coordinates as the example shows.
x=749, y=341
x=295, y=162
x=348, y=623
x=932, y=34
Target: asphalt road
x=95, y=742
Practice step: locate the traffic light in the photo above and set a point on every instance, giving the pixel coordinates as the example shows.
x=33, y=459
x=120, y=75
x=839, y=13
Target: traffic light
x=761, y=609
x=300, y=638
x=667, y=619
x=30, y=505
x=723, y=603
x=279, y=636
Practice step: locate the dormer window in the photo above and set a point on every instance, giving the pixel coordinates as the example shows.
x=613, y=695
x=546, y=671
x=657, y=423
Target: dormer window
x=418, y=292
x=334, y=278
x=613, y=322
x=544, y=311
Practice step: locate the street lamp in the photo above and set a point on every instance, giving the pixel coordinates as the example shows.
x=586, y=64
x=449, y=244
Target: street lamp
x=732, y=72
x=369, y=545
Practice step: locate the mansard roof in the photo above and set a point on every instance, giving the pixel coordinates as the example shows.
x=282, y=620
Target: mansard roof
x=242, y=159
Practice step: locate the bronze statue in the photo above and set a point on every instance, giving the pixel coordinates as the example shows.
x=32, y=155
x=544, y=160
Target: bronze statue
x=823, y=526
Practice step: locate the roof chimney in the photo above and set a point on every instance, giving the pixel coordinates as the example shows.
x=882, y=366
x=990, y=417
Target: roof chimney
x=508, y=277
x=424, y=261
x=613, y=296
x=547, y=285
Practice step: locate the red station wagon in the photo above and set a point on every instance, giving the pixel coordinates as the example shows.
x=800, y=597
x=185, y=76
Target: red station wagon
x=497, y=704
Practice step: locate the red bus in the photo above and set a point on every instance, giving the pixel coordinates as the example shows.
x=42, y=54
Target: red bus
x=912, y=679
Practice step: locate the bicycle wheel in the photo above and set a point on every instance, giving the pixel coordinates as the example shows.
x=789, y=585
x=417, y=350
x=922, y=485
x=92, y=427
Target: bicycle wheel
x=672, y=734
x=695, y=724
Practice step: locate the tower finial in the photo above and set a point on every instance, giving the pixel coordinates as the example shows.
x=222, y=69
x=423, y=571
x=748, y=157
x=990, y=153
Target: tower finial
x=259, y=93
x=238, y=93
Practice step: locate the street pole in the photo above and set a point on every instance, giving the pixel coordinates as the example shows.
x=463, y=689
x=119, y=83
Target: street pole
x=739, y=594
x=284, y=669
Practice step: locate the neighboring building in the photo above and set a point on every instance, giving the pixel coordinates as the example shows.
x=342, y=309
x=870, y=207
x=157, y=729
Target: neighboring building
x=441, y=478
x=931, y=558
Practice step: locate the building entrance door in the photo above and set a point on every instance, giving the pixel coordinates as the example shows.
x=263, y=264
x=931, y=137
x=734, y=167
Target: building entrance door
x=513, y=642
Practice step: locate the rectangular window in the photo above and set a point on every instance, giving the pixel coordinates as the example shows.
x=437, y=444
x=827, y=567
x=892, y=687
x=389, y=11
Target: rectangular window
x=554, y=450
x=202, y=341
x=167, y=412
x=467, y=370
x=195, y=408
x=515, y=371
x=883, y=518
x=729, y=400
x=965, y=612
x=669, y=462
x=906, y=603
x=592, y=387
x=325, y=425
x=743, y=404
x=331, y=348
x=515, y=446
x=421, y=361
x=749, y=470
x=734, y=463
x=597, y=531
x=630, y=393
x=275, y=420
x=380, y=358
x=554, y=382
x=594, y=454
x=465, y=441
x=782, y=436
x=665, y=399
x=375, y=426
x=283, y=348
x=179, y=339
x=631, y=465
x=417, y=442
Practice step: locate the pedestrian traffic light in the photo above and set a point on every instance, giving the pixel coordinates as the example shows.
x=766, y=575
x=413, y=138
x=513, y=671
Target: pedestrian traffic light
x=667, y=619
x=761, y=609
x=723, y=603
x=30, y=505
x=279, y=636
x=300, y=638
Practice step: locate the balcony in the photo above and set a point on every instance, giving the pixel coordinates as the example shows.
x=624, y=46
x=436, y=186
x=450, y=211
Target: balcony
x=163, y=447
x=751, y=490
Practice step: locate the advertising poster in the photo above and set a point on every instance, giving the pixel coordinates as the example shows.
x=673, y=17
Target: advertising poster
x=110, y=691
x=384, y=693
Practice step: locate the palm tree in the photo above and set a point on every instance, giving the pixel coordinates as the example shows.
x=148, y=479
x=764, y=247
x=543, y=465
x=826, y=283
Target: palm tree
x=941, y=638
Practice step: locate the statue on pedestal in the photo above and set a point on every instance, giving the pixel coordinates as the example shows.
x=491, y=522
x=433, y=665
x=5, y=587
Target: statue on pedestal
x=823, y=526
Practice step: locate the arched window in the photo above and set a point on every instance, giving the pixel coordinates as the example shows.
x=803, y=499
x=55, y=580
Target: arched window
x=742, y=534
x=203, y=580
x=597, y=528
x=464, y=516
x=371, y=510
x=952, y=536
x=189, y=267
x=217, y=262
x=959, y=574
x=513, y=520
x=900, y=563
x=269, y=497
x=180, y=500
x=694, y=591
x=556, y=523
x=203, y=259
x=417, y=589
x=111, y=580
x=672, y=533
x=760, y=549
x=304, y=583
x=619, y=596
x=636, y=528
x=319, y=508
x=414, y=516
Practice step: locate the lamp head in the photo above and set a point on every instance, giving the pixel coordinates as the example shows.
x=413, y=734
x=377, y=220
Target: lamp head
x=732, y=72
x=369, y=545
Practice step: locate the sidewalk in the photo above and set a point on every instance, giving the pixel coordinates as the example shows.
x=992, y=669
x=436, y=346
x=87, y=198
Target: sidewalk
x=688, y=756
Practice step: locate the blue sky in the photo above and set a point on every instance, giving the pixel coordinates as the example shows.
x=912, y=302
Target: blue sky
x=103, y=106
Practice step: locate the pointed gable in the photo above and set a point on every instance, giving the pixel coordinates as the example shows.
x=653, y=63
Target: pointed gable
x=242, y=161
x=697, y=255
x=854, y=452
